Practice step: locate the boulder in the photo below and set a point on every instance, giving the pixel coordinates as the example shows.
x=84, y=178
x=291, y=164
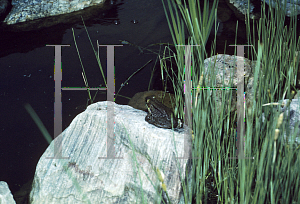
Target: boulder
x=24, y=10
x=84, y=174
x=224, y=66
x=27, y=15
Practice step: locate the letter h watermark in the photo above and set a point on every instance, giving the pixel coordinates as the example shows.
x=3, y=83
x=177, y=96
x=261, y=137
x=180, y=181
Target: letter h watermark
x=58, y=105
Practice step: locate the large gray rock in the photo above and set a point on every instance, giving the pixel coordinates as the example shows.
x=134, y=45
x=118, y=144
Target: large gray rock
x=27, y=10
x=84, y=177
x=5, y=195
x=225, y=67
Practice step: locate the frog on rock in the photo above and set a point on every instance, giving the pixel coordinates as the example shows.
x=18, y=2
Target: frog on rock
x=159, y=114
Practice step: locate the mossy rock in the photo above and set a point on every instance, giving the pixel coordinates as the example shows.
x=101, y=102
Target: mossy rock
x=138, y=100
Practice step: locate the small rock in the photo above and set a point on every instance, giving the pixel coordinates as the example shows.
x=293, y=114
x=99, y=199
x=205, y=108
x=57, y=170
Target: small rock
x=138, y=100
x=5, y=194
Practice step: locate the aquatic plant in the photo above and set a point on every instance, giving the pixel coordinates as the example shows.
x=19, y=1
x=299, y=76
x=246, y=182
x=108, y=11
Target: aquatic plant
x=269, y=173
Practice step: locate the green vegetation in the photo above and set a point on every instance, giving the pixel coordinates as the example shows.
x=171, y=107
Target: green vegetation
x=272, y=176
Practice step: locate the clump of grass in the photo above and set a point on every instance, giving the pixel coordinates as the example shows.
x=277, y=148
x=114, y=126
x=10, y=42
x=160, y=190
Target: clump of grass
x=271, y=172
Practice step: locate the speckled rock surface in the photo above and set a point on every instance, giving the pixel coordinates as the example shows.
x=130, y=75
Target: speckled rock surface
x=224, y=66
x=240, y=8
x=292, y=7
x=26, y=10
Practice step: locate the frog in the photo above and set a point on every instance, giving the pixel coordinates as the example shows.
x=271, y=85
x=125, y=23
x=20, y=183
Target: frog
x=160, y=115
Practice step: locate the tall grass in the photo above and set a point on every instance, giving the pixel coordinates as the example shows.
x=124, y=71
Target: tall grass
x=272, y=176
